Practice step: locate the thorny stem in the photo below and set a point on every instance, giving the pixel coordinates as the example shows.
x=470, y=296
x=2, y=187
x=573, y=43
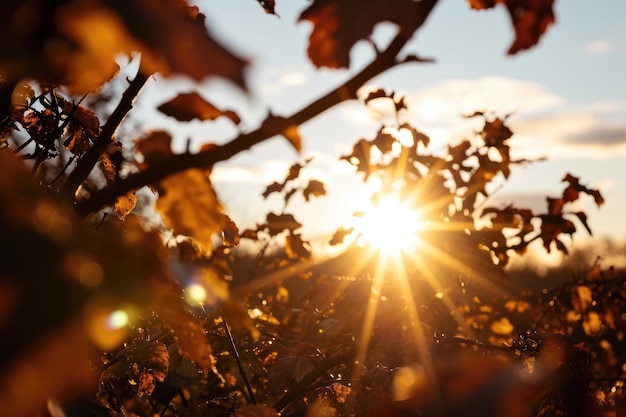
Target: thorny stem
x=91, y=157
x=238, y=360
x=384, y=61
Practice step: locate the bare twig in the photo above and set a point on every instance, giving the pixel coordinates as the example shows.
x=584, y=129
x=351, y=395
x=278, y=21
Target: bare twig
x=91, y=157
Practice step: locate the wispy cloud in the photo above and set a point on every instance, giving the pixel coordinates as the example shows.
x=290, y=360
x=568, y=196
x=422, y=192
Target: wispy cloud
x=599, y=47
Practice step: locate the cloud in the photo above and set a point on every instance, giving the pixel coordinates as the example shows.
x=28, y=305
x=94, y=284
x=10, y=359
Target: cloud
x=601, y=135
x=446, y=101
x=599, y=47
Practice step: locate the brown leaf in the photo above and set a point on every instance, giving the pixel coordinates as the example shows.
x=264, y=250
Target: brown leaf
x=188, y=330
x=125, y=204
x=189, y=206
x=188, y=106
x=339, y=24
x=285, y=127
x=289, y=370
x=315, y=188
x=530, y=19
x=155, y=147
x=77, y=142
x=274, y=187
x=360, y=157
x=340, y=235
x=268, y=6
x=277, y=223
x=230, y=232
x=296, y=248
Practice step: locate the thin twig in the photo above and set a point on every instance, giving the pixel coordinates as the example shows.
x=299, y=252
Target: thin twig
x=238, y=360
x=91, y=157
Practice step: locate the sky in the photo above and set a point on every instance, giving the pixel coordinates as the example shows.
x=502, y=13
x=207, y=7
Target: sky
x=567, y=96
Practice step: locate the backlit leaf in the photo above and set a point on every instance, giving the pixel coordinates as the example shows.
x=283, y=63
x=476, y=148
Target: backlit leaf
x=189, y=206
x=268, y=6
x=340, y=235
x=274, y=187
x=277, y=223
x=314, y=188
x=230, y=232
x=530, y=19
x=187, y=329
x=125, y=204
x=339, y=24
x=188, y=106
x=296, y=247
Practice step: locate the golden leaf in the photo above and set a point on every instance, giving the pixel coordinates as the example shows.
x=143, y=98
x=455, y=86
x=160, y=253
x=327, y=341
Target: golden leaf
x=189, y=206
x=502, y=327
x=292, y=135
x=125, y=204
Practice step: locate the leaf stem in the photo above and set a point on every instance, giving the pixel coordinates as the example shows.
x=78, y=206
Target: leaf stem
x=238, y=360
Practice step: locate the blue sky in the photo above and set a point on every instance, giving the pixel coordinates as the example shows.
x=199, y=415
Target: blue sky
x=568, y=95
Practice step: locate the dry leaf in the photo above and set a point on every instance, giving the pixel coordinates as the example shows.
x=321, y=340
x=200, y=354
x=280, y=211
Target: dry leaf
x=189, y=206
x=188, y=106
x=125, y=204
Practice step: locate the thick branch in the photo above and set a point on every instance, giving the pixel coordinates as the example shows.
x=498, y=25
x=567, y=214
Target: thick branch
x=384, y=61
x=91, y=157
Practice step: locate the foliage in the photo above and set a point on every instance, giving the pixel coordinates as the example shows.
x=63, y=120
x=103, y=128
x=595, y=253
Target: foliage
x=114, y=316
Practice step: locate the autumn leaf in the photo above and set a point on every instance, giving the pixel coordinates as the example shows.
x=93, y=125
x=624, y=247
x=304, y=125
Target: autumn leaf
x=289, y=130
x=155, y=147
x=360, y=157
x=289, y=370
x=384, y=141
x=339, y=24
x=295, y=247
x=315, y=188
x=339, y=235
x=274, y=187
x=125, y=204
x=189, y=206
x=530, y=19
x=277, y=223
x=269, y=6
x=155, y=370
x=188, y=331
x=230, y=233
x=188, y=106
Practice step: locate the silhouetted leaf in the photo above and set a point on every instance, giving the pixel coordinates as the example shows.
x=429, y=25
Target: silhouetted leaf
x=384, y=141
x=277, y=223
x=274, y=187
x=530, y=19
x=188, y=106
x=339, y=24
x=314, y=188
x=583, y=219
x=155, y=147
x=339, y=235
x=230, y=232
x=296, y=248
x=268, y=6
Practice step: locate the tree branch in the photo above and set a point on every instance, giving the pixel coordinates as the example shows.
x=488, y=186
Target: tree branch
x=91, y=157
x=271, y=127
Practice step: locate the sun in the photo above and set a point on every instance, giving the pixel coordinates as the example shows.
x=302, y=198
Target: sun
x=390, y=226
